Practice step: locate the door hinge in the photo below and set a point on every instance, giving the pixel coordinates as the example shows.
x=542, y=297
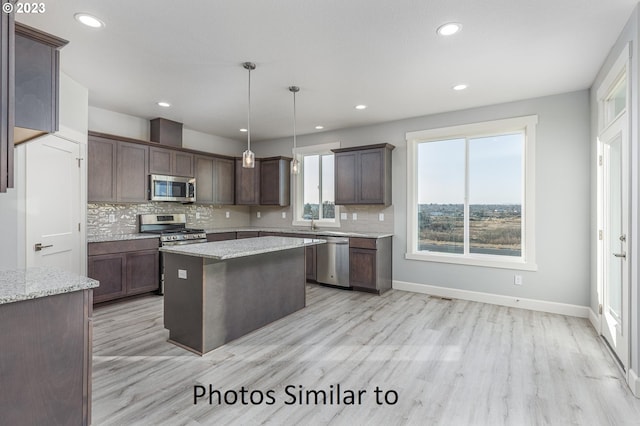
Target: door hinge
x=600, y=160
x=600, y=309
x=79, y=160
x=600, y=236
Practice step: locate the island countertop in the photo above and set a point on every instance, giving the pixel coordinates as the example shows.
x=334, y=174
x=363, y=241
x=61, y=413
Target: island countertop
x=31, y=283
x=231, y=249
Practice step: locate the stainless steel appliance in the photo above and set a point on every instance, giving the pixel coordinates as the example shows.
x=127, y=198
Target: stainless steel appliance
x=173, y=230
x=172, y=188
x=333, y=261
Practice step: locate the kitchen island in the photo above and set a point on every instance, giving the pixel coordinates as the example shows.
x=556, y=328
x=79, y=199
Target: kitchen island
x=219, y=291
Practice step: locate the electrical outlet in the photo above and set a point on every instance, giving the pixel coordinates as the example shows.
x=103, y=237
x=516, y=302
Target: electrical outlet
x=182, y=274
x=517, y=279
x=284, y=215
x=227, y=215
x=258, y=215
x=381, y=217
x=343, y=216
x=112, y=218
x=354, y=216
x=197, y=215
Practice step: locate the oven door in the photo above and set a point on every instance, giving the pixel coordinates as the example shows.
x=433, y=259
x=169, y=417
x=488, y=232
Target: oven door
x=172, y=188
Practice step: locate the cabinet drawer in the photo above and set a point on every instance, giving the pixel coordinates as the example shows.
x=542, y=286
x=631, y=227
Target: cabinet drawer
x=221, y=236
x=247, y=234
x=109, y=247
x=365, y=243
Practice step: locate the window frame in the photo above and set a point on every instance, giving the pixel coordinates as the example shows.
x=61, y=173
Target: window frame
x=298, y=186
x=526, y=124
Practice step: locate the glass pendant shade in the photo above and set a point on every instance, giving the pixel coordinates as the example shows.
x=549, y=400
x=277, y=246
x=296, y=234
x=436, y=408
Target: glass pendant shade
x=248, y=159
x=295, y=166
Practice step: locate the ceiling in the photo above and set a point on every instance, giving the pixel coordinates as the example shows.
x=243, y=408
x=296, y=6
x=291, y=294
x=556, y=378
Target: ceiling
x=385, y=54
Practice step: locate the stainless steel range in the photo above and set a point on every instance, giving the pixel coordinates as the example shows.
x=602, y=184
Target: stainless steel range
x=173, y=230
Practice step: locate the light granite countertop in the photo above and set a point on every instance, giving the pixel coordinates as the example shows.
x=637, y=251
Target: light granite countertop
x=32, y=283
x=118, y=237
x=230, y=249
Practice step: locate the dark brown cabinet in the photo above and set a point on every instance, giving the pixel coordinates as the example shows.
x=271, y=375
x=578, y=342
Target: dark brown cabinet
x=163, y=161
x=46, y=360
x=215, y=180
x=7, y=81
x=124, y=268
x=37, y=63
x=363, y=175
x=247, y=234
x=221, y=236
x=370, y=264
x=247, y=184
x=118, y=170
x=275, y=178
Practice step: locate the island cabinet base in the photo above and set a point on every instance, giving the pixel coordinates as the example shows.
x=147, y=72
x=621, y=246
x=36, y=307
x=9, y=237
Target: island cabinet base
x=208, y=302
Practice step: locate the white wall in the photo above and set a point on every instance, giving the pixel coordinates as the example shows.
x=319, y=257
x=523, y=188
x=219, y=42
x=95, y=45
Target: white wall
x=115, y=123
x=628, y=34
x=562, y=198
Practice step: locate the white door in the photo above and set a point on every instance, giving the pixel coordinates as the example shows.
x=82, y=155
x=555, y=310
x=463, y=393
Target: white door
x=615, y=277
x=53, y=185
x=613, y=207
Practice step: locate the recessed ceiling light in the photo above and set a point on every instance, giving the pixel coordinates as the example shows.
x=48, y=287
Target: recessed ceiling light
x=89, y=20
x=243, y=130
x=319, y=127
x=450, y=28
x=459, y=87
x=164, y=104
x=361, y=106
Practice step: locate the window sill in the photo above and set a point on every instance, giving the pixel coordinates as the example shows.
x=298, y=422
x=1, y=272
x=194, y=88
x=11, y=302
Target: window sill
x=484, y=261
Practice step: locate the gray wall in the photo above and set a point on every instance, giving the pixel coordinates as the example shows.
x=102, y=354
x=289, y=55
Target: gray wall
x=562, y=197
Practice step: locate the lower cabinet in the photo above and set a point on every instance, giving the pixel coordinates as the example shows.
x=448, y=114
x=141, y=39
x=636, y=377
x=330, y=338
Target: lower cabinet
x=370, y=264
x=247, y=234
x=310, y=263
x=124, y=268
x=45, y=364
x=221, y=236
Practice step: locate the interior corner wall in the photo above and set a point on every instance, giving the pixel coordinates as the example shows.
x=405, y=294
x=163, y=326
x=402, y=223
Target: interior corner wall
x=629, y=34
x=562, y=198
x=115, y=123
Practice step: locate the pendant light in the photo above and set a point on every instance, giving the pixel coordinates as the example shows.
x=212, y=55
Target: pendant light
x=248, y=157
x=295, y=164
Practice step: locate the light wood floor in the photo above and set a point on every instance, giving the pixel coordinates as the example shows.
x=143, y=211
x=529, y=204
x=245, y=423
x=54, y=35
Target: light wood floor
x=450, y=362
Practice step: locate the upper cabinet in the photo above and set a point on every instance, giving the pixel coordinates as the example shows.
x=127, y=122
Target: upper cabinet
x=163, y=161
x=215, y=180
x=118, y=170
x=6, y=98
x=275, y=181
x=363, y=175
x=37, y=63
x=247, y=184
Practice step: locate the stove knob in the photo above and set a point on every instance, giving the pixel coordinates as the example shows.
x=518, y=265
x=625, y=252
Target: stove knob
x=174, y=237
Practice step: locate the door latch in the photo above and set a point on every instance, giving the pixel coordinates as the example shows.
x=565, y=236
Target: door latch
x=39, y=246
x=622, y=255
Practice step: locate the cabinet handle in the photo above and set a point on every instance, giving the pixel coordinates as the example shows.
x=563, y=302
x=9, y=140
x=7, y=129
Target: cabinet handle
x=622, y=255
x=39, y=246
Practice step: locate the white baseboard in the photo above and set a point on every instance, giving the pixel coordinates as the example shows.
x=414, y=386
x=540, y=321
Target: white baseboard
x=594, y=319
x=634, y=383
x=496, y=299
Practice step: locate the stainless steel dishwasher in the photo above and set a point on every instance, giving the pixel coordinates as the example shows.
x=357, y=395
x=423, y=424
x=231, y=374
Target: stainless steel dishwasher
x=333, y=261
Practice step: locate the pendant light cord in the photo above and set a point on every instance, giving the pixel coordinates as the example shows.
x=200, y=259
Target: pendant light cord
x=294, y=121
x=249, y=115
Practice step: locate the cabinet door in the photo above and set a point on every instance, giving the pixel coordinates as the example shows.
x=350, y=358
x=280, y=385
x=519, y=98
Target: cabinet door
x=204, y=180
x=160, y=162
x=247, y=185
x=247, y=234
x=133, y=172
x=371, y=177
x=6, y=98
x=143, y=271
x=362, y=268
x=102, y=170
x=310, y=263
x=223, y=181
x=109, y=269
x=221, y=236
x=345, y=181
x=274, y=182
x=182, y=164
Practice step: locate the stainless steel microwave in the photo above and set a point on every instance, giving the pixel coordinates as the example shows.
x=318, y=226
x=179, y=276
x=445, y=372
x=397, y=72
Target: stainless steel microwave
x=172, y=188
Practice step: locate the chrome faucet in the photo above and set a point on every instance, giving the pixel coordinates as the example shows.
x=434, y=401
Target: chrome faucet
x=313, y=225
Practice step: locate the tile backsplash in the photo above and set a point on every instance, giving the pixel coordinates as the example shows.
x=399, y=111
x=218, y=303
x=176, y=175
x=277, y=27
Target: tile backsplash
x=105, y=219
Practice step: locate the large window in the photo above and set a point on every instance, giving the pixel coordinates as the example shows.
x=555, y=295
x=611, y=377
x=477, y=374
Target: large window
x=471, y=194
x=314, y=192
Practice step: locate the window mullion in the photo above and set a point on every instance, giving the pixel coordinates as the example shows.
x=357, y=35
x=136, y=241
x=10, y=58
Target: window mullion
x=466, y=197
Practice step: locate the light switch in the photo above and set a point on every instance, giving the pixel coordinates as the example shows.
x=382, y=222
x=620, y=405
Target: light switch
x=182, y=274
x=381, y=217
x=284, y=215
x=343, y=216
x=258, y=215
x=227, y=215
x=354, y=216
